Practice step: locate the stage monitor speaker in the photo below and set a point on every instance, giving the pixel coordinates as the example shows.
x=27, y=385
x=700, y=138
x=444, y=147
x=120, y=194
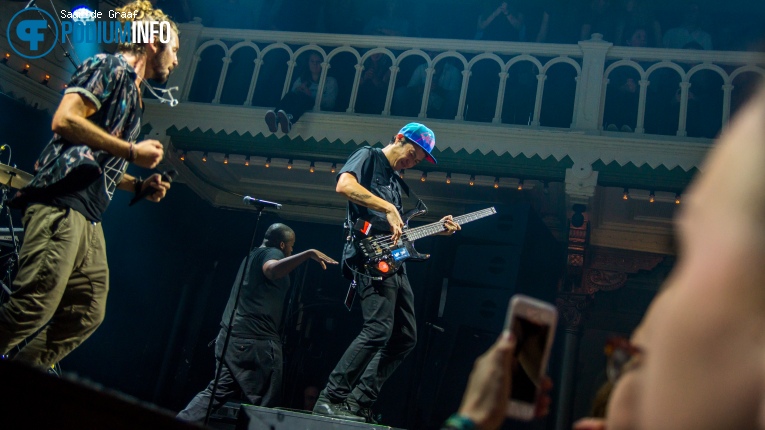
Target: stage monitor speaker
x=259, y=418
x=225, y=417
x=33, y=399
x=507, y=226
x=480, y=308
x=467, y=343
x=491, y=266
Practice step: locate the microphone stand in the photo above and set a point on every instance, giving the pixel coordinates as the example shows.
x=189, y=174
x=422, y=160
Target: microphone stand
x=67, y=55
x=219, y=368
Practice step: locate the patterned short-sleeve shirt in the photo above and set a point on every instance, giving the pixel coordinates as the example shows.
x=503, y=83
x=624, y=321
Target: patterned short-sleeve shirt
x=74, y=175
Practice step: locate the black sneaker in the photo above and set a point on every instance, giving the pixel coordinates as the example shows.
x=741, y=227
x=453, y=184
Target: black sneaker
x=285, y=121
x=368, y=415
x=271, y=121
x=339, y=410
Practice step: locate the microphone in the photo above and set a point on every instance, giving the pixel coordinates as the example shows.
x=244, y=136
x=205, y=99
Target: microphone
x=441, y=329
x=166, y=177
x=252, y=201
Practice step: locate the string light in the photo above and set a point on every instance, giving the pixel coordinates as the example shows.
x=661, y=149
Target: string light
x=268, y=162
x=651, y=197
x=520, y=185
x=247, y=160
x=289, y=164
x=183, y=156
x=312, y=168
x=6, y=58
x=225, y=159
x=424, y=176
x=333, y=169
x=448, y=178
x=496, y=182
x=626, y=195
x=204, y=157
x=472, y=180
x=677, y=198
x=25, y=70
x=45, y=80
x=401, y=173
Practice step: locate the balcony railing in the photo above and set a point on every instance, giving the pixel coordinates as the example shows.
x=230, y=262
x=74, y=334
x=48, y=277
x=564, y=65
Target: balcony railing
x=589, y=86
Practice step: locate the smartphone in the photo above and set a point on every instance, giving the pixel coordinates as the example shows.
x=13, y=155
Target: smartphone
x=533, y=323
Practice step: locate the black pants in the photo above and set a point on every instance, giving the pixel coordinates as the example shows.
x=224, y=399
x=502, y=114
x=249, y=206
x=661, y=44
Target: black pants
x=389, y=333
x=295, y=104
x=252, y=366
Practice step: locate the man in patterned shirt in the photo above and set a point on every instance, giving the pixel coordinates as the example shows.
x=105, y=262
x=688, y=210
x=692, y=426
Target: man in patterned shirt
x=63, y=277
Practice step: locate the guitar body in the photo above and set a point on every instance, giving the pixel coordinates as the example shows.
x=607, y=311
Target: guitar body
x=380, y=258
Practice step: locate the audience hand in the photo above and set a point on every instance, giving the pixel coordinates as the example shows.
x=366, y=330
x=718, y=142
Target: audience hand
x=485, y=399
x=590, y=424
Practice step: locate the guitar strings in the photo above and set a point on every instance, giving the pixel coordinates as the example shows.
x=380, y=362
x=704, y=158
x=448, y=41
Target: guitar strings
x=463, y=218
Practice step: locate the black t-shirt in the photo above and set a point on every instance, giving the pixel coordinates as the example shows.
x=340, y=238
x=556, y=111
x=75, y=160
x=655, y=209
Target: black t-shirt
x=373, y=172
x=259, y=313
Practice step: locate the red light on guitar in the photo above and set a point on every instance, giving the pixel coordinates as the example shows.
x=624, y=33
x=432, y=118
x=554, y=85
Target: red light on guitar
x=383, y=267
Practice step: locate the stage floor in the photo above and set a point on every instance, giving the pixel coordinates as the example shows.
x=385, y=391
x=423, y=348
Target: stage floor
x=256, y=418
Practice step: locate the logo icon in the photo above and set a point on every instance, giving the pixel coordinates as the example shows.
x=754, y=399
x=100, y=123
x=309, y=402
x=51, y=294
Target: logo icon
x=32, y=33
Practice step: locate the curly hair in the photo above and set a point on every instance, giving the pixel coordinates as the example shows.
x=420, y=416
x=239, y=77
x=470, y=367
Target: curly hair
x=141, y=10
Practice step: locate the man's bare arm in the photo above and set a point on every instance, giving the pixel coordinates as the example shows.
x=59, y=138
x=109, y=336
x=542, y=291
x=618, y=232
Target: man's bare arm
x=71, y=122
x=349, y=186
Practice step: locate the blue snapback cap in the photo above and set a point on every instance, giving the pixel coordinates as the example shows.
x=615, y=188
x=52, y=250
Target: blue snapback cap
x=422, y=136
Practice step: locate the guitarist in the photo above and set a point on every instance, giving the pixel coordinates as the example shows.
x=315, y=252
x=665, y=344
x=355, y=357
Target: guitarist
x=373, y=188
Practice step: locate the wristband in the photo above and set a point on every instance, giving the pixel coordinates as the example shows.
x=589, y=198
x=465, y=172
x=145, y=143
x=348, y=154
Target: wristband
x=459, y=422
x=131, y=153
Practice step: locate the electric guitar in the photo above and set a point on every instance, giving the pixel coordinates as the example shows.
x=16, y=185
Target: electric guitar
x=380, y=257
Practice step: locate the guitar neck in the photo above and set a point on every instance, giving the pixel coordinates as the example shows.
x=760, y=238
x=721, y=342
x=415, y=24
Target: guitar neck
x=413, y=234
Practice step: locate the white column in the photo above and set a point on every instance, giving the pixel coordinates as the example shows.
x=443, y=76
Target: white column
x=541, y=78
x=500, y=97
x=426, y=93
x=355, y=89
x=226, y=61
x=254, y=81
x=640, y=124
x=590, y=85
x=684, y=86
x=391, y=88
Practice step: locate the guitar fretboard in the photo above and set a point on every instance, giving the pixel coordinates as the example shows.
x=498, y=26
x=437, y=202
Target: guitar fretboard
x=413, y=234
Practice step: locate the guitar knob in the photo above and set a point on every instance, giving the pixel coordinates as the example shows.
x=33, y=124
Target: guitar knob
x=383, y=267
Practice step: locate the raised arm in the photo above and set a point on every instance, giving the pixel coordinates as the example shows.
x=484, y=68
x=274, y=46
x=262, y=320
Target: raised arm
x=275, y=269
x=71, y=122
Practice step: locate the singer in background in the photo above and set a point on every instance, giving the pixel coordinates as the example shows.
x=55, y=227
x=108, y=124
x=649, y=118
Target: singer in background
x=370, y=182
x=253, y=361
x=63, y=277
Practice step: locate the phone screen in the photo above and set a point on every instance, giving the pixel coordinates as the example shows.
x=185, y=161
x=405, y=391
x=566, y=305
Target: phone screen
x=531, y=339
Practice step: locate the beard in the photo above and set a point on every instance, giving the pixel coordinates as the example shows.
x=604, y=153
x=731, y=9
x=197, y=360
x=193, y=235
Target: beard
x=160, y=73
